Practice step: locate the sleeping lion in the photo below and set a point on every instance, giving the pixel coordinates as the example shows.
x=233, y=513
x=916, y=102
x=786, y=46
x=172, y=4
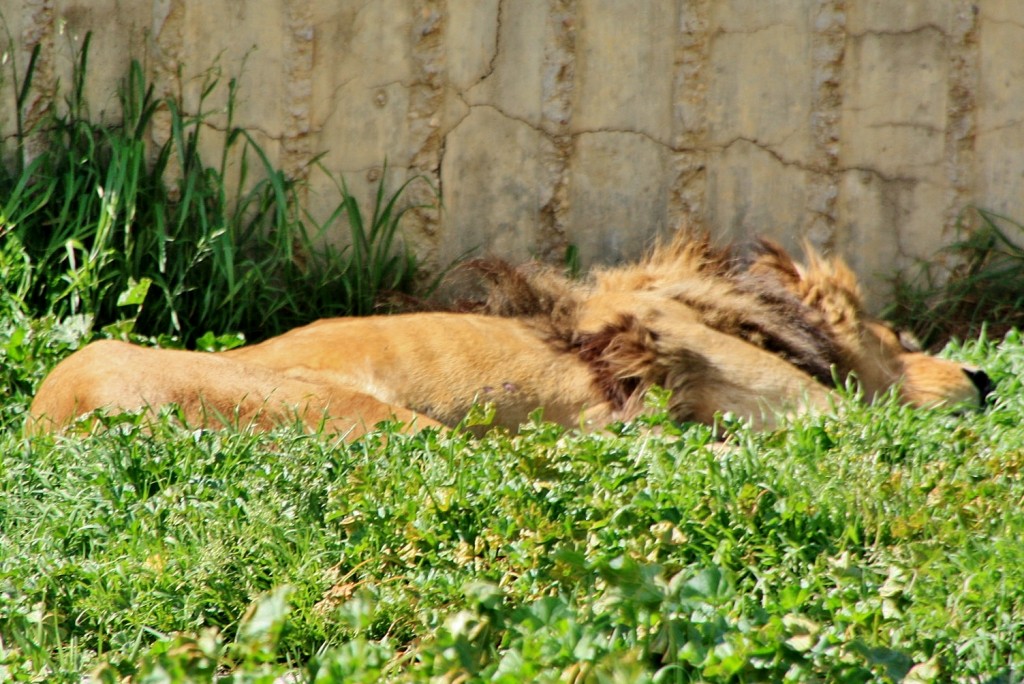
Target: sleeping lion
x=750, y=332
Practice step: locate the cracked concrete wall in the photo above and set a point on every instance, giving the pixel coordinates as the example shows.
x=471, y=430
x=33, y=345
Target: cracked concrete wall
x=863, y=126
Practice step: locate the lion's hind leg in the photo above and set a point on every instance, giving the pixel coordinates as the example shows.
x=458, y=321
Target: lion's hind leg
x=209, y=390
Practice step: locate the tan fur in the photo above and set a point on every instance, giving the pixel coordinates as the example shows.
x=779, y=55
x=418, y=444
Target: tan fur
x=748, y=333
x=441, y=364
x=209, y=390
x=438, y=364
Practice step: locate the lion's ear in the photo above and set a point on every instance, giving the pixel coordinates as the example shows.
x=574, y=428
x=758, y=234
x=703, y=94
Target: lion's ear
x=830, y=286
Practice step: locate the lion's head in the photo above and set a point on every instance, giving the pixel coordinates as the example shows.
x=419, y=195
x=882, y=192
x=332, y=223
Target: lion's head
x=870, y=350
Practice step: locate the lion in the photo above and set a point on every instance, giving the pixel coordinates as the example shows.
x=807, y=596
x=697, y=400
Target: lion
x=750, y=333
x=727, y=332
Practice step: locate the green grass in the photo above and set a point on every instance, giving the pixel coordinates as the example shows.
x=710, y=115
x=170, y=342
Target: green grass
x=882, y=544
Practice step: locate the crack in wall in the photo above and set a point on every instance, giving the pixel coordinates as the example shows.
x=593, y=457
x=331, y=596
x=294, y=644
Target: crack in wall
x=626, y=131
x=882, y=176
x=721, y=31
x=493, y=62
x=1008, y=125
x=552, y=135
x=775, y=154
x=898, y=33
x=217, y=128
x=913, y=125
x=1005, y=22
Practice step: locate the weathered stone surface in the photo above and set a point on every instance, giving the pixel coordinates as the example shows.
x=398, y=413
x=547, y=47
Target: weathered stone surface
x=884, y=16
x=751, y=100
x=258, y=54
x=886, y=224
x=745, y=16
x=894, y=106
x=471, y=41
x=111, y=43
x=751, y=191
x=618, y=198
x=624, y=66
x=1000, y=110
x=16, y=53
x=893, y=197
x=362, y=78
x=493, y=192
x=511, y=79
x=861, y=125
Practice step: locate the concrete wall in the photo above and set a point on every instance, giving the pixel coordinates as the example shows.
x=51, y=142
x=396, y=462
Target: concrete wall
x=865, y=126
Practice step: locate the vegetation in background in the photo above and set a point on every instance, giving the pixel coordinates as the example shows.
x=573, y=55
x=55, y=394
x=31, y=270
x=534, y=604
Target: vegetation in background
x=377, y=266
x=985, y=288
x=101, y=219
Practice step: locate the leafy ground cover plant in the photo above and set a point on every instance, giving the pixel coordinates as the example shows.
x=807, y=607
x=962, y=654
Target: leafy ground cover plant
x=877, y=544
x=102, y=218
x=984, y=289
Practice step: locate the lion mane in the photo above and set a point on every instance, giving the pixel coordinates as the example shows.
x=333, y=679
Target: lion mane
x=810, y=315
x=740, y=329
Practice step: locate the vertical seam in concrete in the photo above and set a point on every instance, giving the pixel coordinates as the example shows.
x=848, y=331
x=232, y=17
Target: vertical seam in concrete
x=167, y=44
x=299, y=48
x=688, y=193
x=427, y=96
x=828, y=52
x=961, y=123
x=39, y=30
x=557, y=87
x=426, y=100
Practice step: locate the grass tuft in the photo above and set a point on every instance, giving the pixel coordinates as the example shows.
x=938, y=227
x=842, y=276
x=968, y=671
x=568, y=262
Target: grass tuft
x=984, y=289
x=105, y=223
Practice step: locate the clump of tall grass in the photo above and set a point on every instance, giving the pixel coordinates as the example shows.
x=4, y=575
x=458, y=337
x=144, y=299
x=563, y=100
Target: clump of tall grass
x=103, y=222
x=984, y=289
